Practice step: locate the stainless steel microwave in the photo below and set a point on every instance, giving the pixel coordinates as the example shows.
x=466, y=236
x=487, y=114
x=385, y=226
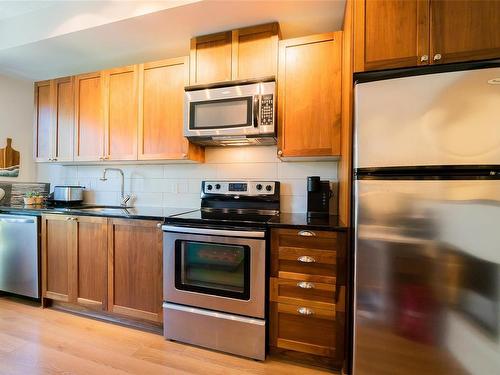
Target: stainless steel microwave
x=231, y=114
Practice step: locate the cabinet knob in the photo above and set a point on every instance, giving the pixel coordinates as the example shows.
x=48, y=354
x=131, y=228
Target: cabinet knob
x=306, y=259
x=280, y=153
x=307, y=233
x=71, y=219
x=184, y=156
x=305, y=311
x=424, y=58
x=437, y=57
x=159, y=225
x=306, y=285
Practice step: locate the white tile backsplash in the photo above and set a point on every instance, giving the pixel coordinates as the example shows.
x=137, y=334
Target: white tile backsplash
x=178, y=185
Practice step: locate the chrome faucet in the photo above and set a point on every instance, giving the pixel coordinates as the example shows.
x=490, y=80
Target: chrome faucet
x=125, y=198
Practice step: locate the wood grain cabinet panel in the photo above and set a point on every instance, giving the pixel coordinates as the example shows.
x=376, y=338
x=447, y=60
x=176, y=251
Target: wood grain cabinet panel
x=391, y=34
x=255, y=51
x=89, y=124
x=90, y=253
x=43, y=121
x=464, y=30
x=64, y=118
x=121, y=113
x=210, y=58
x=161, y=129
x=57, y=258
x=309, y=96
x=135, y=269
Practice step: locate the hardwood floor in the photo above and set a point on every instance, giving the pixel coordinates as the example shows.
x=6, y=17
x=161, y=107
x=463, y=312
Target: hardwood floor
x=35, y=341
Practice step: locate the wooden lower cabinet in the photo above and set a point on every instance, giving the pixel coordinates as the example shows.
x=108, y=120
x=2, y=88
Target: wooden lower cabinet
x=307, y=296
x=107, y=265
x=135, y=269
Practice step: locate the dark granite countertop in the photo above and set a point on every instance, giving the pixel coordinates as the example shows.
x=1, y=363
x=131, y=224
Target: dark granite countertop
x=301, y=221
x=146, y=213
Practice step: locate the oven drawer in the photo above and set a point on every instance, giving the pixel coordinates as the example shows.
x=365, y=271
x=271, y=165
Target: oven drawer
x=303, y=328
x=317, y=295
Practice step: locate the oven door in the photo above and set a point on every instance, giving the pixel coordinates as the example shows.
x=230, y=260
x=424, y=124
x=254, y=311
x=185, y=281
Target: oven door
x=222, y=270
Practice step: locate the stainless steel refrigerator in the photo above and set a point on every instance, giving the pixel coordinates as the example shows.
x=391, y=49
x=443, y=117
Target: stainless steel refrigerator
x=427, y=221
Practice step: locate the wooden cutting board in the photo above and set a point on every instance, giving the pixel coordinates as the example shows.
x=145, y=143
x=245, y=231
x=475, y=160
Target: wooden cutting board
x=8, y=156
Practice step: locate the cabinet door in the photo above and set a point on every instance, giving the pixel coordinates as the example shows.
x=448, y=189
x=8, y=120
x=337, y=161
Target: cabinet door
x=463, y=30
x=161, y=134
x=43, y=122
x=255, y=51
x=135, y=269
x=63, y=118
x=120, y=113
x=309, y=96
x=391, y=34
x=89, y=129
x=57, y=258
x=211, y=58
x=90, y=255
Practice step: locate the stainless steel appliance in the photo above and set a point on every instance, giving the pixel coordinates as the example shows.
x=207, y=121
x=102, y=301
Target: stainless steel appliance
x=427, y=213
x=70, y=194
x=231, y=114
x=19, y=255
x=215, y=268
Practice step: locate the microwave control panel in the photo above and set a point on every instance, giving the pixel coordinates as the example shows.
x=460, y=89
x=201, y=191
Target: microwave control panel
x=267, y=109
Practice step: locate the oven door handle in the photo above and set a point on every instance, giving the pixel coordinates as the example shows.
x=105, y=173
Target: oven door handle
x=214, y=232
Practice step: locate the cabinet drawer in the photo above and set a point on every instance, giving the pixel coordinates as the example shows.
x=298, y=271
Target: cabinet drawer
x=306, y=264
x=305, y=238
x=316, y=295
x=304, y=329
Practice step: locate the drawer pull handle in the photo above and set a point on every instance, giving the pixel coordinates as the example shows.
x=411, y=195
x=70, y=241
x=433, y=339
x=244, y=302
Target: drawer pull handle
x=305, y=311
x=307, y=233
x=306, y=285
x=306, y=259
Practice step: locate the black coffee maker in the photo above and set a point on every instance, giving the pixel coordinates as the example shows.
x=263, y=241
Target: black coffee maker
x=318, y=197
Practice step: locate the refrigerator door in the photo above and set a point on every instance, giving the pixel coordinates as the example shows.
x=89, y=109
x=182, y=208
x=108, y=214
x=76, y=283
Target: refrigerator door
x=427, y=277
x=448, y=118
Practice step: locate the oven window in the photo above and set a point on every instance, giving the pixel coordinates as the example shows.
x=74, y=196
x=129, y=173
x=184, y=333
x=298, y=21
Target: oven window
x=221, y=113
x=213, y=268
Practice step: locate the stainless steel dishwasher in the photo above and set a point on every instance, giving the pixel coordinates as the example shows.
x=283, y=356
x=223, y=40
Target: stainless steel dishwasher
x=19, y=255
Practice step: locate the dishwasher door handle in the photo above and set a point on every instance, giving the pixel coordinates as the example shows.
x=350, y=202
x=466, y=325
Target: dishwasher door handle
x=16, y=221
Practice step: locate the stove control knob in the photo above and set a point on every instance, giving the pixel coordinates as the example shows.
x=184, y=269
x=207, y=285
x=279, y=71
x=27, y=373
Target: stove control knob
x=259, y=186
x=209, y=187
x=269, y=188
x=217, y=186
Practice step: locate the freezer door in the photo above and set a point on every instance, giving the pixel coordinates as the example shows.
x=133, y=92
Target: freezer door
x=438, y=119
x=427, y=277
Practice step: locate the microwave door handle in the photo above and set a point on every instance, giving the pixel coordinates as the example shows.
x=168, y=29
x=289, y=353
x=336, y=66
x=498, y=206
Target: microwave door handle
x=256, y=110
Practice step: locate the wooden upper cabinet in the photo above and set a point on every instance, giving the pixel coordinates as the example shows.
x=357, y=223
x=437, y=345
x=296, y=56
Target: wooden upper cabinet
x=44, y=142
x=464, y=30
x=135, y=269
x=211, y=58
x=391, y=34
x=406, y=33
x=309, y=96
x=255, y=51
x=89, y=128
x=54, y=120
x=120, y=113
x=64, y=118
x=161, y=131
x=246, y=53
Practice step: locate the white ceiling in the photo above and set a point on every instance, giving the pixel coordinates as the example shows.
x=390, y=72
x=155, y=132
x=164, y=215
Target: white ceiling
x=47, y=39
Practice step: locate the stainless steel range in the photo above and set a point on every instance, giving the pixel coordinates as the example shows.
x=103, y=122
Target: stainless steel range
x=215, y=268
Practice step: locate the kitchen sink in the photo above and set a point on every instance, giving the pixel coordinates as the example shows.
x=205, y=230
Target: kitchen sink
x=104, y=209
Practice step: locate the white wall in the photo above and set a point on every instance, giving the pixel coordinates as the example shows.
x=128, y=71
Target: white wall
x=16, y=122
x=178, y=185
